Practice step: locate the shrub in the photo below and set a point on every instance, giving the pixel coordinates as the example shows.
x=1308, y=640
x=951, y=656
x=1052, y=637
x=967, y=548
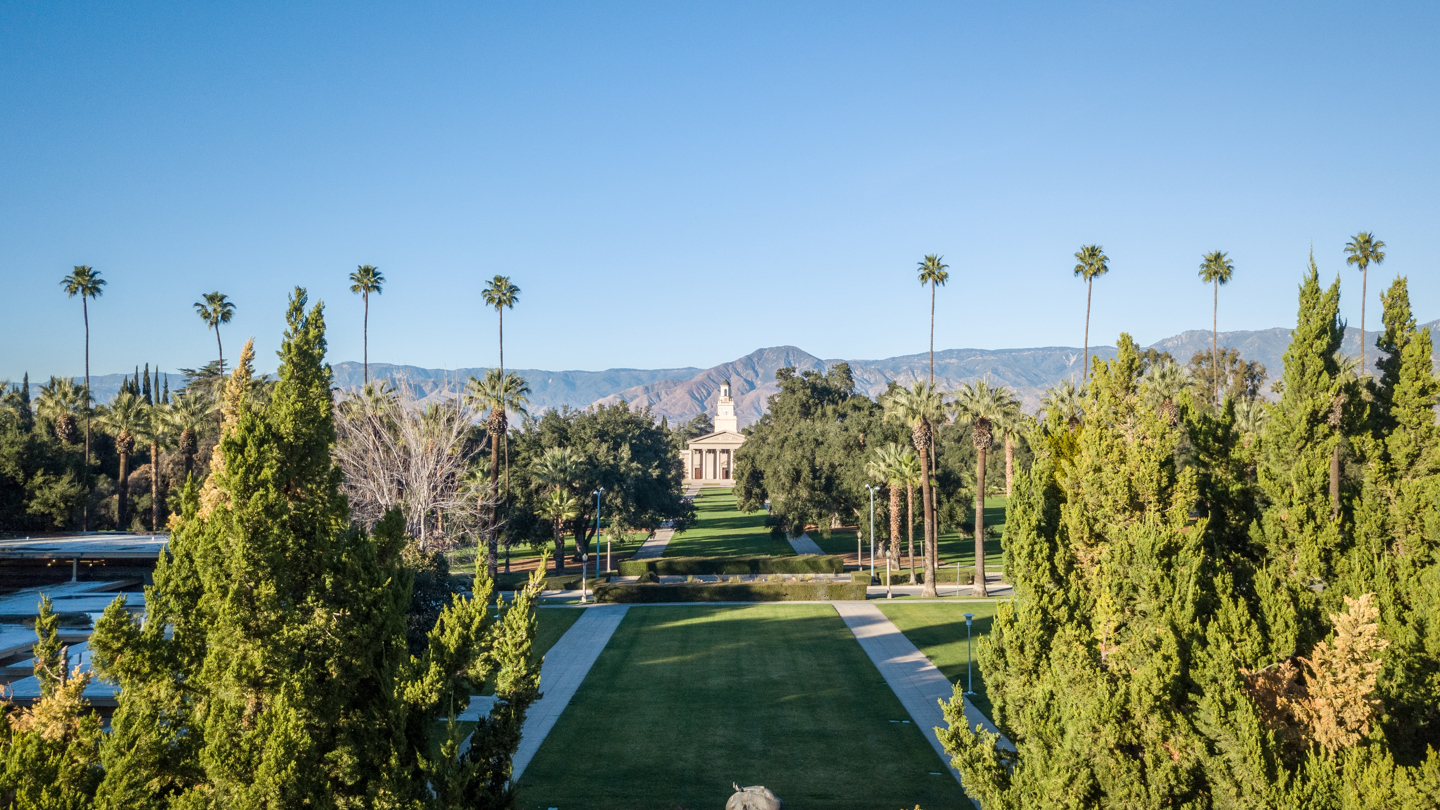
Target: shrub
x=731, y=592
x=681, y=566
x=649, y=577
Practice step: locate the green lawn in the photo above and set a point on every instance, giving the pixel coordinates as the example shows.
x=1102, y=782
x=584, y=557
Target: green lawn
x=686, y=700
x=938, y=629
x=722, y=530
x=952, y=546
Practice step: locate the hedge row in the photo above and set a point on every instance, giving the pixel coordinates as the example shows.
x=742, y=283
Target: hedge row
x=515, y=580
x=732, y=592
x=694, y=566
x=945, y=576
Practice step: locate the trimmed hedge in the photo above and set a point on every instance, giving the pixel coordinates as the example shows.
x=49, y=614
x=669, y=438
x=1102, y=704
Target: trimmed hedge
x=732, y=592
x=694, y=566
x=945, y=576
x=553, y=582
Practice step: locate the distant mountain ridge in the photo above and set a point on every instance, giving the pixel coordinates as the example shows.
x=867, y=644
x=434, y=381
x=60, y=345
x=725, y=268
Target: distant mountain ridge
x=683, y=393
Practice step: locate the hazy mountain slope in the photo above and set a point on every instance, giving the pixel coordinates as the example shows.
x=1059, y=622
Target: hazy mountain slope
x=548, y=389
x=682, y=393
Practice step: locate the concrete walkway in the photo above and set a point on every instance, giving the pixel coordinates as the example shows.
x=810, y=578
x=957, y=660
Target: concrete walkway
x=655, y=546
x=917, y=682
x=804, y=545
x=565, y=667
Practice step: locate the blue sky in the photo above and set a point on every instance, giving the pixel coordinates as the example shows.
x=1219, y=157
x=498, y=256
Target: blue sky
x=680, y=183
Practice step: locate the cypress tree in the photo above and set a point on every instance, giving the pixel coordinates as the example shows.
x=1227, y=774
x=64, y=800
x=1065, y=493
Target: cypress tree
x=165, y=398
x=145, y=386
x=272, y=669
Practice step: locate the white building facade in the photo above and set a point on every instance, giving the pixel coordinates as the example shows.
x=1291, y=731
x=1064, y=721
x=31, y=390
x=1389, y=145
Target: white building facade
x=710, y=459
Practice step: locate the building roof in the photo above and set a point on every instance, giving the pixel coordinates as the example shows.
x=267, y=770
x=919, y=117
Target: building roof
x=718, y=437
x=87, y=546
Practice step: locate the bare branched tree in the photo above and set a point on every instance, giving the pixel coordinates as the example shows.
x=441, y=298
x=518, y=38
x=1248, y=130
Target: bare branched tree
x=396, y=452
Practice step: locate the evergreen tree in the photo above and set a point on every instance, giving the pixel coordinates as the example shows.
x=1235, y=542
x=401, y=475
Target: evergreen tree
x=272, y=669
x=145, y=386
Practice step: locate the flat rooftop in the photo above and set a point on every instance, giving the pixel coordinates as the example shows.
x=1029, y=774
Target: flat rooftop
x=86, y=546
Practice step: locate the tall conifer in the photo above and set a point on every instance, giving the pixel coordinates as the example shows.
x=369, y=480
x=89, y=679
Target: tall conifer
x=272, y=670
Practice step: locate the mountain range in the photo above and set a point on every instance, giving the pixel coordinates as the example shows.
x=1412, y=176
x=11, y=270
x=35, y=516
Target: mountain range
x=681, y=394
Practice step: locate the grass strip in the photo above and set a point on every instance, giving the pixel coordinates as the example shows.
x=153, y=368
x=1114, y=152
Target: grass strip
x=686, y=700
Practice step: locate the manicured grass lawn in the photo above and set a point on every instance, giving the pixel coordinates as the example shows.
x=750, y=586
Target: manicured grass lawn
x=686, y=700
x=953, y=547
x=938, y=629
x=722, y=530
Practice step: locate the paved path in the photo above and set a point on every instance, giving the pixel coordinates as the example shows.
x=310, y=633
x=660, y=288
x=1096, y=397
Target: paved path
x=804, y=545
x=655, y=546
x=566, y=665
x=916, y=681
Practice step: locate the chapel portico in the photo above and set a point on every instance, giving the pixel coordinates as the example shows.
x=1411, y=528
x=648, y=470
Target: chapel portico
x=710, y=459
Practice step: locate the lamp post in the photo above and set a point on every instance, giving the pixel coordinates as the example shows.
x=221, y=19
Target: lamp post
x=872, y=538
x=969, y=673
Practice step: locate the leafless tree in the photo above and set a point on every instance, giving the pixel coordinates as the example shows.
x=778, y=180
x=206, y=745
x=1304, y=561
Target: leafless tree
x=396, y=452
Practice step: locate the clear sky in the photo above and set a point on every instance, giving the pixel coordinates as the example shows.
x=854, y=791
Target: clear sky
x=676, y=184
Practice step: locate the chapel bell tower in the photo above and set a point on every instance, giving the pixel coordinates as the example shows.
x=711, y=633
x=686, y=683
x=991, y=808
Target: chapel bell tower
x=725, y=411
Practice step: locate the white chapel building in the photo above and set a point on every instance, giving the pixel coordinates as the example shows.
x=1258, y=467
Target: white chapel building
x=710, y=459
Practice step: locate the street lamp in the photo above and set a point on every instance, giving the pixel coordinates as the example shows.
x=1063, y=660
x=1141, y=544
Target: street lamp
x=969, y=673
x=583, y=557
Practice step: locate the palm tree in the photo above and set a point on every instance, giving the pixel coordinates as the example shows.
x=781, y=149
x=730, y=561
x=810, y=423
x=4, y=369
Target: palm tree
x=981, y=406
x=502, y=295
x=1364, y=250
x=933, y=271
x=922, y=408
x=888, y=468
x=188, y=414
x=60, y=401
x=1215, y=269
x=1013, y=426
x=1091, y=262
x=1066, y=399
x=497, y=393
x=215, y=308
x=159, y=432
x=124, y=418
x=365, y=280
x=910, y=469
x=558, y=507
x=86, y=283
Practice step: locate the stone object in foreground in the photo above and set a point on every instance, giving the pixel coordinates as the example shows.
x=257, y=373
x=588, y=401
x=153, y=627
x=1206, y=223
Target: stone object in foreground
x=755, y=797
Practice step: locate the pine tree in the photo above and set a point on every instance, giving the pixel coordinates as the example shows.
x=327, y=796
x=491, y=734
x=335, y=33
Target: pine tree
x=272, y=669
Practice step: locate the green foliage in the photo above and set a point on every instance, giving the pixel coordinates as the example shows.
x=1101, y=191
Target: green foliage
x=798, y=455
x=1195, y=623
x=273, y=667
x=685, y=566
x=731, y=592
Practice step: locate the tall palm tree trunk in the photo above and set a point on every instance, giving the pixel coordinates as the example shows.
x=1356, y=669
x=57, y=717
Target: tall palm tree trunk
x=895, y=525
x=559, y=546
x=910, y=526
x=932, y=333
x=1335, y=482
x=980, y=589
x=493, y=536
x=1085, y=370
x=85, y=513
x=122, y=493
x=1214, y=351
x=928, y=507
x=1009, y=462
x=154, y=485
x=1364, y=280
x=365, y=342
x=221, y=350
